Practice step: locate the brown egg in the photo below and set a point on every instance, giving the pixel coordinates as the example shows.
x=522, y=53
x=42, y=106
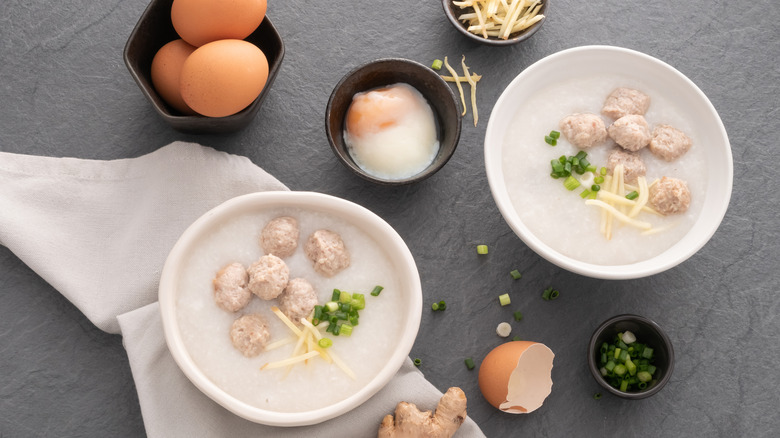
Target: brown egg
x=202, y=21
x=166, y=71
x=223, y=77
x=515, y=376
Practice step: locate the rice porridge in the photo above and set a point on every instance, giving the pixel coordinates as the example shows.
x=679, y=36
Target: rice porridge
x=559, y=217
x=205, y=328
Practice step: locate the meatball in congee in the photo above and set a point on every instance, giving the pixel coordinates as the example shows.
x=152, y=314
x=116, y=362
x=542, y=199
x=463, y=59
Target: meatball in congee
x=631, y=132
x=268, y=276
x=633, y=166
x=327, y=251
x=230, y=287
x=249, y=334
x=583, y=130
x=280, y=237
x=624, y=101
x=669, y=142
x=298, y=299
x=670, y=196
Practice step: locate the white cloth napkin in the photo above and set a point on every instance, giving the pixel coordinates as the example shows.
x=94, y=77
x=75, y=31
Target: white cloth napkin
x=99, y=232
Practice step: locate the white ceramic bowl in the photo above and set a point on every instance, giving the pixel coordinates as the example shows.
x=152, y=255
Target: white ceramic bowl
x=593, y=60
x=368, y=222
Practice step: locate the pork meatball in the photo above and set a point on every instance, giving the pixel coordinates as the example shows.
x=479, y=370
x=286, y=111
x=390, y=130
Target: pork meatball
x=583, y=130
x=669, y=142
x=298, y=299
x=670, y=196
x=326, y=249
x=268, y=276
x=230, y=287
x=250, y=334
x=631, y=132
x=280, y=237
x=633, y=166
x=624, y=101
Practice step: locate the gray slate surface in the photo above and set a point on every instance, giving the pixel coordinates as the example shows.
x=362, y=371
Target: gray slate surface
x=66, y=92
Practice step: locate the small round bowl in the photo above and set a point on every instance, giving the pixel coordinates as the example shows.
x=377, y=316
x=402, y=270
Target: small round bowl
x=155, y=29
x=389, y=71
x=511, y=186
x=228, y=222
x=453, y=12
x=647, y=332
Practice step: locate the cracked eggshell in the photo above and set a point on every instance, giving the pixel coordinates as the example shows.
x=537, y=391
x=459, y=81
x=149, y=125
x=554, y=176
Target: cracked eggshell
x=515, y=377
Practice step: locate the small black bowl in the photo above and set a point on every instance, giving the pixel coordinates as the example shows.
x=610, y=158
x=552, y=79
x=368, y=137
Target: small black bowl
x=453, y=12
x=155, y=29
x=389, y=71
x=647, y=332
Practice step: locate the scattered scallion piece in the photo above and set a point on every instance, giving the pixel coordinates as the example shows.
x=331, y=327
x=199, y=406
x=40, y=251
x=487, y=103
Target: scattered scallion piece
x=417, y=362
x=516, y=274
x=435, y=306
x=482, y=249
x=504, y=299
x=437, y=64
x=440, y=306
x=603, y=171
x=555, y=134
x=518, y=316
x=324, y=342
x=549, y=140
x=595, y=187
x=571, y=183
x=517, y=338
x=377, y=290
x=341, y=313
x=550, y=294
x=585, y=193
x=469, y=363
x=633, y=195
x=597, y=396
x=598, y=180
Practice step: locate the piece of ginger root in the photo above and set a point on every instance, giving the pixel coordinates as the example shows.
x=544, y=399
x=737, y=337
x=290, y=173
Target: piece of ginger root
x=410, y=422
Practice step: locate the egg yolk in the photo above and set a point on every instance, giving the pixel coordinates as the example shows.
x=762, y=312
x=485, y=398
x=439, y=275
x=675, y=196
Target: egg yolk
x=379, y=109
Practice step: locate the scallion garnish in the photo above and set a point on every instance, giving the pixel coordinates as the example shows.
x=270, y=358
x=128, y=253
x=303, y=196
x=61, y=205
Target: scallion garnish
x=516, y=274
x=377, y=290
x=482, y=249
x=598, y=180
x=571, y=183
x=633, y=195
x=626, y=363
x=549, y=140
x=417, y=362
x=436, y=64
x=595, y=187
x=469, y=363
x=597, y=396
x=584, y=194
x=324, y=342
x=517, y=338
x=504, y=300
x=550, y=294
x=518, y=315
x=555, y=134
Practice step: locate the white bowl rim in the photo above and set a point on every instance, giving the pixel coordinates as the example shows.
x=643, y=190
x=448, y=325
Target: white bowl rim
x=366, y=220
x=705, y=226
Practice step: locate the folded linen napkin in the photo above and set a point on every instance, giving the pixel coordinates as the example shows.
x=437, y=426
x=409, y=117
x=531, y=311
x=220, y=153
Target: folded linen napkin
x=99, y=232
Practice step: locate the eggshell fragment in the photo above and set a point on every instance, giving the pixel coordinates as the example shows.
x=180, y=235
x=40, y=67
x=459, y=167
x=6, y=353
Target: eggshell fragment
x=223, y=77
x=202, y=21
x=515, y=377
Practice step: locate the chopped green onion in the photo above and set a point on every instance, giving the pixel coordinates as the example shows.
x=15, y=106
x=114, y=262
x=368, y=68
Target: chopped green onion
x=603, y=171
x=345, y=297
x=554, y=294
x=620, y=369
x=580, y=155
x=550, y=294
x=625, y=367
x=482, y=249
x=469, y=363
x=518, y=316
x=595, y=187
x=549, y=140
x=346, y=330
x=585, y=193
x=604, y=347
x=641, y=385
x=598, y=180
x=377, y=290
x=331, y=306
x=504, y=299
x=336, y=294
x=555, y=134
x=417, y=361
x=435, y=306
x=436, y=64
x=358, y=301
x=633, y=195
x=324, y=342
x=442, y=305
x=591, y=168
x=597, y=396
x=644, y=376
x=517, y=338
x=571, y=183
x=647, y=353
x=624, y=385
x=516, y=274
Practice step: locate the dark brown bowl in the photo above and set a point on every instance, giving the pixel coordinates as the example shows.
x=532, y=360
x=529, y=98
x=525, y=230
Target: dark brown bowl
x=389, y=71
x=153, y=30
x=453, y=12
x=647, y=332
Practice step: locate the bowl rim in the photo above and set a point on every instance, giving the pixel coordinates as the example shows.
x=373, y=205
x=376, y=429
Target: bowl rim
x=343, y=155
x=366, y=221
x=652, y=325
x=639, y=269
x=522, y=36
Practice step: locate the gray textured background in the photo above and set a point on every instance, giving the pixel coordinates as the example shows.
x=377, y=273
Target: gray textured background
x=66, y=92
